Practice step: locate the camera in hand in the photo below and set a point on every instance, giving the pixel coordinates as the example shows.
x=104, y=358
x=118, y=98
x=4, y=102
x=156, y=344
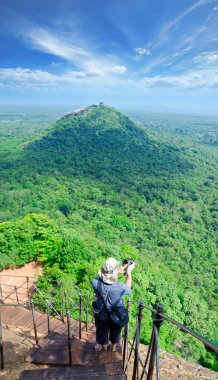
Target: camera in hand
x=128, y=261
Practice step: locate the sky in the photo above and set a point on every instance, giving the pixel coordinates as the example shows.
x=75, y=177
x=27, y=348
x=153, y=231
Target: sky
x=144, y=54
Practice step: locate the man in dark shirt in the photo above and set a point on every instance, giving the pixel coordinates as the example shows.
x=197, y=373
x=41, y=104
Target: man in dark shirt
x=112, y=291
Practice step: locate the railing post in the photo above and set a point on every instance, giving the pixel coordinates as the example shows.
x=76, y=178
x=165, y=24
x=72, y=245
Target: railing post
x=62, y=301
x=27, y=287
x=1, y=342
x=126, y=338
x=48, y=317
x=157, y=322
x=92, y=313
x=80, y=316
x=15, y=288
x=87, y=312
x=138, y=329
x=65, y=301
x=69, y=337
x=34, y=322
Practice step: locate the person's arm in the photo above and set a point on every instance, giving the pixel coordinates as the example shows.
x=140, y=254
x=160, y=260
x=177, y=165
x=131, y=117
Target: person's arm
x=129, y=269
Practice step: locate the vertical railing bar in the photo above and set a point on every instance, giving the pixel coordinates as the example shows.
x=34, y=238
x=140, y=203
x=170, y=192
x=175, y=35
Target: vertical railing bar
x=80, y=316
x=147, y=356
x=62, y=301
x=48, y=317
x=34, y=322
x=92, y=320
x=136, y=351
x=157, y=353
x=69, y=337
x=1, y=342
x=152, y=357
x=15, y=288
x=138, y=330
x=65, y=302
x=27, y=286
x=132, y=347
x=126, y=338
x=157, y=322
x=87, y=311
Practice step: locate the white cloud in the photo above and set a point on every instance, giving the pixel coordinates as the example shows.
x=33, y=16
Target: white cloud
x=84, y=59
x=47, y=42
x=143, y=51
x=165, y=30
x=209, y=58
x=213, y=58
x=118, y=69
x=201, y=78
x=24, y=77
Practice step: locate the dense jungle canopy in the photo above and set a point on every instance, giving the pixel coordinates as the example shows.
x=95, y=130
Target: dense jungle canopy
x=96, y=184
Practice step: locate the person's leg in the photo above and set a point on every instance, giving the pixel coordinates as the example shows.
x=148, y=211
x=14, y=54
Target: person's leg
x=114, y=336
x=102, y=332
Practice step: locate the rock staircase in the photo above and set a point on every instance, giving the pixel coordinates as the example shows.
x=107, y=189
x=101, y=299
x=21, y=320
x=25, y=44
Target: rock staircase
x=53, y=350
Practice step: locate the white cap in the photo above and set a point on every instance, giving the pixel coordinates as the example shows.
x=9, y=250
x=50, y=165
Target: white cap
x=109, y=271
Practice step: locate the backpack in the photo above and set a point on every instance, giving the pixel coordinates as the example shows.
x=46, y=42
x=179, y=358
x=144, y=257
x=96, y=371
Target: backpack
x=118, y=315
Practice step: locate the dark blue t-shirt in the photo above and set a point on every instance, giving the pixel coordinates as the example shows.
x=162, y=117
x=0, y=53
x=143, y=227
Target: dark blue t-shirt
x=111, y=293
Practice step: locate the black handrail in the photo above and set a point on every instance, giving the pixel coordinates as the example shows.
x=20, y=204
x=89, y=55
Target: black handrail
x=159, y=317
x=152, y=356
x=206, y=342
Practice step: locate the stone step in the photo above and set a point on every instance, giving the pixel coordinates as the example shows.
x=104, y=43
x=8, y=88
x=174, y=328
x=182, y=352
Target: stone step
x=60, y=356
x=75, y=371
x=81, y=377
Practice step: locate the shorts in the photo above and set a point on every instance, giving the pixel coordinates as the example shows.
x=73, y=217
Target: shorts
x=106, y=331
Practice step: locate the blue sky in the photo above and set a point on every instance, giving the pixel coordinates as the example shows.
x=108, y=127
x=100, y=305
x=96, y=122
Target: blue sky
x=141, y=54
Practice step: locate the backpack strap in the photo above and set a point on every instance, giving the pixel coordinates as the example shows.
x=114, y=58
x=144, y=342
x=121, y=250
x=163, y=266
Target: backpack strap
x=99, y=288
x=104, y=298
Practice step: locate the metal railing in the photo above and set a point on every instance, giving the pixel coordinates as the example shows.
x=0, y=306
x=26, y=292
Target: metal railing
x=150, y=368
x=74, y=310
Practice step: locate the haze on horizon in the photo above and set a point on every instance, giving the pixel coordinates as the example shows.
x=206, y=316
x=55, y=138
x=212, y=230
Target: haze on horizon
x=143, y=55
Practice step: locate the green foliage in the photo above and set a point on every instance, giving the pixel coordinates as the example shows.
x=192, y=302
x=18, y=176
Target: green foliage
x=97, y=185
x=33, y=237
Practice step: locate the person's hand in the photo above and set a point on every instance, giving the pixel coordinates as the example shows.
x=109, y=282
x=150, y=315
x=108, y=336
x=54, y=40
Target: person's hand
x=130, y=268
x=122, y=269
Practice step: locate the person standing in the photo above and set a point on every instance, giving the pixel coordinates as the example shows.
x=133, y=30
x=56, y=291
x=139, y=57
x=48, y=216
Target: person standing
x=108, y=292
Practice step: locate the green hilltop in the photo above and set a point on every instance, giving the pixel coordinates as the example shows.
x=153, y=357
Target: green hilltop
x=97, y=184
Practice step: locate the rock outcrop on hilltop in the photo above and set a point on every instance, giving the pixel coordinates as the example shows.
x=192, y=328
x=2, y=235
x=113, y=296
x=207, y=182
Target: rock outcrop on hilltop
x=85, y=110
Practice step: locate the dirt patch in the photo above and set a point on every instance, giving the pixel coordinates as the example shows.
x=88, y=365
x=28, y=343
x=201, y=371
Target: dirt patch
x=31, y=269
x=17, y=284
x=16, y=344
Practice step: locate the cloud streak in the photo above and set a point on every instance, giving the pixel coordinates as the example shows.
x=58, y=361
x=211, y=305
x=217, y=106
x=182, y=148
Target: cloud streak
x=82, y=58
x=163, y=35
x=192, y=80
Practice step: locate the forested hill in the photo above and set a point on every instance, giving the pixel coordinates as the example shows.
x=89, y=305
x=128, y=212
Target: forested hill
x=105, y=145
x=95, y=185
